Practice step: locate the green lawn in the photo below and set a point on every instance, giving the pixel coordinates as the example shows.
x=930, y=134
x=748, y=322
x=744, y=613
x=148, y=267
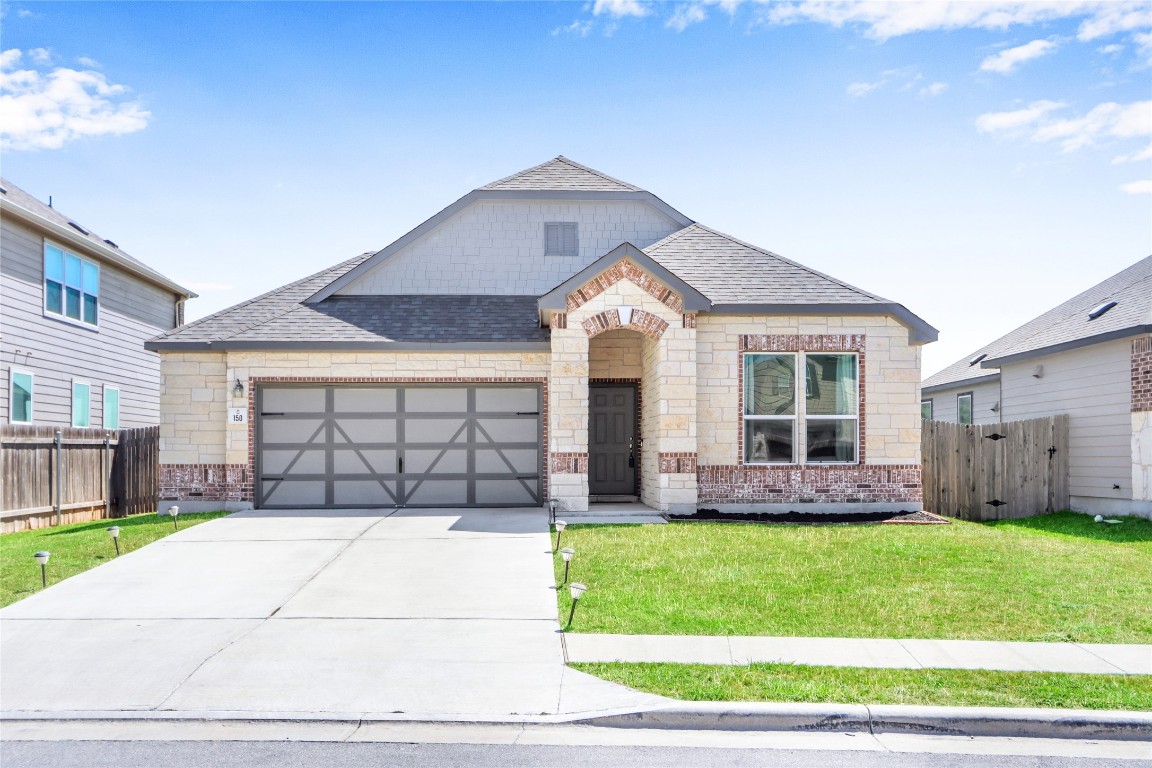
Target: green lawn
x=1059, y=577
x=76, y=548
x=854, y=685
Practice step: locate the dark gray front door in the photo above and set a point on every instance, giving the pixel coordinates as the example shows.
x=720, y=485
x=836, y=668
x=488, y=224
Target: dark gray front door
x=611, y=440
x=413, y=445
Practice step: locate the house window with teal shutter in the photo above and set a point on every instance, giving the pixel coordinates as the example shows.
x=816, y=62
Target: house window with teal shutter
x=71, y=286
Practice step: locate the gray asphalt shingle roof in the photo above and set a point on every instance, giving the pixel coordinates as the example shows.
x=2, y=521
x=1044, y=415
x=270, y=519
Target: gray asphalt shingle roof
x=560, y=173
x=729, y=271
x=1067, y=324
x=19, y=197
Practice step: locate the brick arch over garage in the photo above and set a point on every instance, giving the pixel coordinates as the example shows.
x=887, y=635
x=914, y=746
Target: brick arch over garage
x=643, y=322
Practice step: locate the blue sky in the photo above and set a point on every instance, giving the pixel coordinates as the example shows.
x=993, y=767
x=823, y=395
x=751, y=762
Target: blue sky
x=977, y=162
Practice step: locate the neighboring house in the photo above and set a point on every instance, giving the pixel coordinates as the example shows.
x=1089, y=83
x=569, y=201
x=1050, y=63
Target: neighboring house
x=555, y=334
x=75, y=312
x=1091, y=358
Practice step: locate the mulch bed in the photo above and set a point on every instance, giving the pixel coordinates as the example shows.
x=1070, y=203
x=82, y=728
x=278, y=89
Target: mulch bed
x=811, y=518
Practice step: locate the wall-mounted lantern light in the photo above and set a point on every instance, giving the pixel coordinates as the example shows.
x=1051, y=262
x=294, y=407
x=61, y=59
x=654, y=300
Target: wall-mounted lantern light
x=560, y=526
x=577, y=591
x=238, y=388
x=567, y=553
x=114, y=532
x=42, y=558
x=625, y=314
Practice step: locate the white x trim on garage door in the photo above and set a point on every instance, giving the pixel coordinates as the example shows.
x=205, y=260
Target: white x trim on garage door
x=391, y=445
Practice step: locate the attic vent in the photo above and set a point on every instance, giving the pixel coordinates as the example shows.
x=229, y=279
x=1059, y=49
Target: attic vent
x=1095, y=313
x=976, y=359
x=560, y=239
x=109, y=242
x=78, y=228
x=3, y=191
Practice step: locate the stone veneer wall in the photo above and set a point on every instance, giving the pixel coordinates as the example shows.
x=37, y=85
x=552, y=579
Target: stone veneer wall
x=1142, y=422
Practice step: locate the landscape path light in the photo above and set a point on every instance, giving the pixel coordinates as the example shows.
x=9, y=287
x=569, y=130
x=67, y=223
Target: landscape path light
x=577, y=591
x=560, y=526
x=567, y=553
x=114, y=532
x=42, y=558
x=552, y=504
x=174, y=510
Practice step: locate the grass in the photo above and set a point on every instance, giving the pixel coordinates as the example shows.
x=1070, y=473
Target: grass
x=76, y=548
x=1060, y=577
x=854, y=685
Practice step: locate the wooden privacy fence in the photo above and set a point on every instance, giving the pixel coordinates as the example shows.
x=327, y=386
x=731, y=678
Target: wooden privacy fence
x=995, y=471
x=53, y=475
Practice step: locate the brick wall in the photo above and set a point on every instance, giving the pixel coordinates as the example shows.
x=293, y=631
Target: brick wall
x=206, y=482
x=1142, y=374
x=734, y=484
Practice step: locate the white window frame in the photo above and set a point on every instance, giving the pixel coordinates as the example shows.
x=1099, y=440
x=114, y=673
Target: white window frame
x=799, y=420
x=560, y=251
x=104, y=406
x=12, y=374
x=931, y=409
x=74, y=414
x=971, y=407
x=63, y=315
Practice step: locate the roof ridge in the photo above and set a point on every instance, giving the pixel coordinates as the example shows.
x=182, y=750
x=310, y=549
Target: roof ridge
x=595, y=172
x=796, y=264
x=268, y=294
x=570, y=163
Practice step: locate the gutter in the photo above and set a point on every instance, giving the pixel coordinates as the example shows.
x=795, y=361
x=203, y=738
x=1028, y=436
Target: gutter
x=1121, y=333
x=349, y=346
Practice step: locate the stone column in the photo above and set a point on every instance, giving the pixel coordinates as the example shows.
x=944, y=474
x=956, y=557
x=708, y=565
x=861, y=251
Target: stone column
x=568, y=418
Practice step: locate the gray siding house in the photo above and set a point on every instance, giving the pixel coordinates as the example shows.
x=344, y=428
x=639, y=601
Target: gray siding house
x=1091, y=358
x=75, y=311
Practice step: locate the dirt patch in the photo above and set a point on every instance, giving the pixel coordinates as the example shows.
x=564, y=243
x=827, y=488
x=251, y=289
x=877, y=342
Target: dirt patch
x=811, y=518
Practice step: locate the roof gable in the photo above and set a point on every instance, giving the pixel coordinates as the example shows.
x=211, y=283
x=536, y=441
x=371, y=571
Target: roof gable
x=1066, y=326
x=560, y=173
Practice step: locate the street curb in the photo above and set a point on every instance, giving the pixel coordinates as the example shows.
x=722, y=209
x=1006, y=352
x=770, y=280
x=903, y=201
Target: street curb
x=861, y=718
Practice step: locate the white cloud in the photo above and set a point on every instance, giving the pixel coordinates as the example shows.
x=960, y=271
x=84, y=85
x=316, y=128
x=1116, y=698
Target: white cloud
x=1143, y=42
x=1111, y=49
x=935, y=89
x=685, y=16
x=40, y=55
x=619, y=8
x=85, y=61
x=1135, y=157
x=1007, y=60
x=1143, y=187
x=994, y=122
x=856, y=90
x=45, y=110
x=1110, y=18
x=1104, y=121
x=580, y=28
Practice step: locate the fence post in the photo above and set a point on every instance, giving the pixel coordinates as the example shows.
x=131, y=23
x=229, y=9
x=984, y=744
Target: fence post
x=107, y=477
x=59, y=441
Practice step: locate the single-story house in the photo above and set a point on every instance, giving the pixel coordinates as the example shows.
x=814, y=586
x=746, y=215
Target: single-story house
x=75, y=311
x=1091, y=358
x=557, y=334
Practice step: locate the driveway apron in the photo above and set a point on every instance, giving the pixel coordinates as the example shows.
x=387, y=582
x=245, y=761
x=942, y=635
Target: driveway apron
x=437, y=612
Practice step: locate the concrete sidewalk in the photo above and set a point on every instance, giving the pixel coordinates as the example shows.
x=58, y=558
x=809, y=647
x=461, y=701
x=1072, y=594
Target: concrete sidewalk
x=1084, y=658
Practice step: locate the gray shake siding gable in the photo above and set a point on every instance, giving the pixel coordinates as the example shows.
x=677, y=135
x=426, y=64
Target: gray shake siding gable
x=57, y=351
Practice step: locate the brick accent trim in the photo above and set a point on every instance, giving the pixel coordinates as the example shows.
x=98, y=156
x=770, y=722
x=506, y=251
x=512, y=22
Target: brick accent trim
x=1142, y=374
x=208, y=482
x=689, y=319
x=625, y=270
x=559, y=320
x=847, y=342
x=735, y=484
x=677, y=463
x=575, y=463
x=645, y=322
x=256, y=380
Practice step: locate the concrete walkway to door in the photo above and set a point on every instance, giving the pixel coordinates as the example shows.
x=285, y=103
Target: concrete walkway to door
x=439, y=613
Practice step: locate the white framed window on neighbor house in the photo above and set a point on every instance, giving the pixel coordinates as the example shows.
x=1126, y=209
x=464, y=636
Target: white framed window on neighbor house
x=926, y=409
x=561, y=238
x=71, y=286
x=111, y=407
x=813, y=419
x=81, y=404
x=964, y=408
x=20, y=387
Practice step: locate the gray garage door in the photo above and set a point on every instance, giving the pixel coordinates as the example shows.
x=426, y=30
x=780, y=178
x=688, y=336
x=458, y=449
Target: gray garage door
x=419, y=446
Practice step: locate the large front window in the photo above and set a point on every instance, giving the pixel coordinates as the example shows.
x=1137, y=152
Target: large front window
x=792, y=419
x=71, y=285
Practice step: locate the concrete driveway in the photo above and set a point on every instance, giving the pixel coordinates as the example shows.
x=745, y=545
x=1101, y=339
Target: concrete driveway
x=347, y=613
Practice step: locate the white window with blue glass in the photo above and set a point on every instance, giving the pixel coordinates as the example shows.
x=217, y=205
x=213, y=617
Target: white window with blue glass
x=111, y=407
x=81, y=404
x=20, y=397
x=71, y=286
